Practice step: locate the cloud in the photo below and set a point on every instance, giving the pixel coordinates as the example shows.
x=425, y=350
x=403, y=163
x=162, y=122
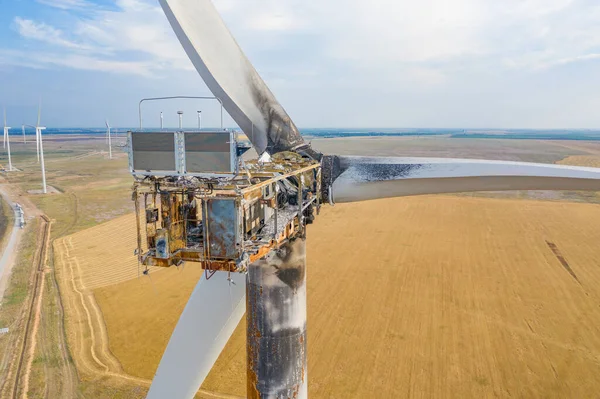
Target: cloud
x=396, y=46
x=134, y=38
x=44, y=33
x=66, y=4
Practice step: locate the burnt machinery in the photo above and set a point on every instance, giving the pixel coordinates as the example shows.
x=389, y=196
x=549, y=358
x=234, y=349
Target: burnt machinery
x=243, y=221
x=198, y=200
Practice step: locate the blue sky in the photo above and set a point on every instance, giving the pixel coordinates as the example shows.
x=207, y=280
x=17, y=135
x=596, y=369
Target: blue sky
x=334, y=63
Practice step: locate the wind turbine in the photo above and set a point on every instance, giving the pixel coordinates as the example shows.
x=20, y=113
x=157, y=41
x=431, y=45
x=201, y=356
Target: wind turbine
x=7, y=142
x=40, y=146
x=216, y=306
x=23, y=130
x=199, y=120
x=109, y=139
x=161, y=121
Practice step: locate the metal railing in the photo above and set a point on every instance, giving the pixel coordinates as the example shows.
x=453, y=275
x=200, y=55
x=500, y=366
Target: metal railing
x=178, y=98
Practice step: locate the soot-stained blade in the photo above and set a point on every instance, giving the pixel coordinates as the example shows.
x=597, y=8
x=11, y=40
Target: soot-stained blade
x=352, y=178
x=230, y=76
x=211, y=315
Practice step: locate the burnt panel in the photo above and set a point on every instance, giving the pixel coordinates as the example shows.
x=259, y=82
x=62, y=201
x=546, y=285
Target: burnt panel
x=223, y=229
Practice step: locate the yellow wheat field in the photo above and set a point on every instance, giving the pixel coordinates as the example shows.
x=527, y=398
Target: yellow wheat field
x=421, y=297
x=592, y=161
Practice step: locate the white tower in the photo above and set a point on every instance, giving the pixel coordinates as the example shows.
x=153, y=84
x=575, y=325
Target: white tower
x=199, y=120
x=109, y=139
x=180, y=113
x=7, y=142
x=40, y=146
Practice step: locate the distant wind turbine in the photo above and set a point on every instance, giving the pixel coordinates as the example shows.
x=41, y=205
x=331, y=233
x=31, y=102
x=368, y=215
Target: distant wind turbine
x=7, y=142
x=23, y=129
x=109, y=139
x=40, y=146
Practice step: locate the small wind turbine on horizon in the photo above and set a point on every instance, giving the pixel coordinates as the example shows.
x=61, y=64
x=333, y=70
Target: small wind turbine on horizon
x=40, y=147
x=108, y=139
x=23, y=129
x=7, y=142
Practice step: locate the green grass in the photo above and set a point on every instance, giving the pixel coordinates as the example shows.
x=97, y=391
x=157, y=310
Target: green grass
x=6, y=220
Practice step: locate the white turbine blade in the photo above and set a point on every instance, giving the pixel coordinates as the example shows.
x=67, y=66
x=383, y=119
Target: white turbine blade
x=208, y=320
x=365, y=178
x=230, y=76
x=39, y=120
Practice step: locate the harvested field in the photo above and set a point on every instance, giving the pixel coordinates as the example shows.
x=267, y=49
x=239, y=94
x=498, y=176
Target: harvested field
x=414, y=297
x=592, y=161
x=108, y=253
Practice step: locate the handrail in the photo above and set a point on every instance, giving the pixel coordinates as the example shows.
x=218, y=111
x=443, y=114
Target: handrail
x=178, y=98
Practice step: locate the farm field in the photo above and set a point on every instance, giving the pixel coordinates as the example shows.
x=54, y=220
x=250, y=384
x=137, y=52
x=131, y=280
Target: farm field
x=117, y=324
x=436, y=296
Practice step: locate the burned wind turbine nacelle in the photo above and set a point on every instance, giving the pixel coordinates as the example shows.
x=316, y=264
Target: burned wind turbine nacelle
x=244, y=222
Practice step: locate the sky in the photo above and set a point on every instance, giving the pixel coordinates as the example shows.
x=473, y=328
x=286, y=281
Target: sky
x=334, y=63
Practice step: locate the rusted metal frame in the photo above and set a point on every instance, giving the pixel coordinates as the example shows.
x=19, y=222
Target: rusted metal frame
x=137, y=225
x=280, y=177
x=183, y=202
x=275, y=209
x=205, y=233
x=300, y=202
x=318, y=189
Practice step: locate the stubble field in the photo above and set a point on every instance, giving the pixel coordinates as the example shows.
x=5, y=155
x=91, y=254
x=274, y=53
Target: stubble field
x=441, y=296
x=414, y=297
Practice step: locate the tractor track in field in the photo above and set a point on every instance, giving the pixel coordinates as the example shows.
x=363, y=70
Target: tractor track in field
x=27, y=346
x=93, y=355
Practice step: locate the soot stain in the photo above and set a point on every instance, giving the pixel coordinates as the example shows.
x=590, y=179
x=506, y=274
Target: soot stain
x=380, y=171
x=282, y=134
x=291, y=271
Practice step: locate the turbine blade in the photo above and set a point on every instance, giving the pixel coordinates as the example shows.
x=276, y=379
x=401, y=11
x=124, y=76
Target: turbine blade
x=39, y=113
x=231, y=77
x=366, y=178
x=208, y=320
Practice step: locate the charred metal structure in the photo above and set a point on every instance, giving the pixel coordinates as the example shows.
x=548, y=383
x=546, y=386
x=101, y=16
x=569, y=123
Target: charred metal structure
x=198, y=200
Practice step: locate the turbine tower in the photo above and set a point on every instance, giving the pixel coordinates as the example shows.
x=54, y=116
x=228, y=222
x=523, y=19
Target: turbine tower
x=40, y=146
x=38, y=131
x=23, y=130
x=109, y=139
x=251, y=237
x=7, y=142
x=199, y=120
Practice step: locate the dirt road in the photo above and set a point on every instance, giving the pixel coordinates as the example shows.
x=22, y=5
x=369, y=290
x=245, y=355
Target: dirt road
x=7, y=259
